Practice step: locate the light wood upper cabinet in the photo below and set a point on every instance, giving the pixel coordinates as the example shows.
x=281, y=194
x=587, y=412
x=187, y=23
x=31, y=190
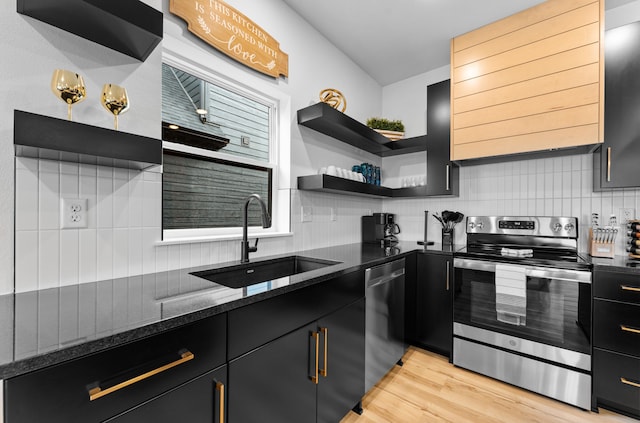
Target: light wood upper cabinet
x=530, y=82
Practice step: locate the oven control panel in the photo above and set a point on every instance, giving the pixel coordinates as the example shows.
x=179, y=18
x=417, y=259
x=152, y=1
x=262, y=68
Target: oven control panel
x=517, y=224
x=546, y=226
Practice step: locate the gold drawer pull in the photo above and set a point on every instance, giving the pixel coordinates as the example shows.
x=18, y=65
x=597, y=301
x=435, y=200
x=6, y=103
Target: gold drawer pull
x=98, y=392
x=628, y=382
x=220, y=389
x=316, y=340
x=325, y=333
x=630, y=288
x=629, y=329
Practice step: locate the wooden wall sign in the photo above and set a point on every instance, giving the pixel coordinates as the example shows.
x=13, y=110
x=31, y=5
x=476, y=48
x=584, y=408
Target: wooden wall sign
x=231, y=32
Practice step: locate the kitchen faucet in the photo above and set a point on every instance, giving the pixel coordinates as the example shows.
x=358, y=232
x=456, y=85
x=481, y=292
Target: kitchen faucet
x=266, y=223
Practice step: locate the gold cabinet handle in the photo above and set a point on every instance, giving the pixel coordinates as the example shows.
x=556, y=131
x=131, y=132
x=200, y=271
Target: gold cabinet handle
x=630, y=288
x=220, y=389
x=608, y=164
x=629, y=382
x=629, y=329
x=316, y=339
x=325, y=334
x=448, y=263
x=97, y=392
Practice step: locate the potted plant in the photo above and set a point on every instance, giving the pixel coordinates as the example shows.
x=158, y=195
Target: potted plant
x=392, y=129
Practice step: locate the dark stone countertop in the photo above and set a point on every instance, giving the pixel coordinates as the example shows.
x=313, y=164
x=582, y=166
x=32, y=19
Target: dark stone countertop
x=46, y=327
x=622, y=264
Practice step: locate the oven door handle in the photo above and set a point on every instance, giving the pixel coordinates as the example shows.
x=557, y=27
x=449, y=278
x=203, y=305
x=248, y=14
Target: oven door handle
x=531, y=271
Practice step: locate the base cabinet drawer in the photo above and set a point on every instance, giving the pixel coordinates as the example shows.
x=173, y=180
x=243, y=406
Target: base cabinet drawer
x=616, y=326
x=617, y=286
x=617, y=381
x=105, y=384
x=202, y=400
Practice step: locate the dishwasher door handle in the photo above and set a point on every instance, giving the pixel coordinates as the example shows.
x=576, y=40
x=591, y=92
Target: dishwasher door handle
x=385, y=278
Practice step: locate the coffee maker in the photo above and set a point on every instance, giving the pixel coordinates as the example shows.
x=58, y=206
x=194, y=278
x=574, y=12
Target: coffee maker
x=380, y=228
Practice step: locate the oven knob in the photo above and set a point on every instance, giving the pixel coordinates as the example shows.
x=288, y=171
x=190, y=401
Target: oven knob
x=472, y=225
x=557, y=227
x=569, y=227
x=480, y=225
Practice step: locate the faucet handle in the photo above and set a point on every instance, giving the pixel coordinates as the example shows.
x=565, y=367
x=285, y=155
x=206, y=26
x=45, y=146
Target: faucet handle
x=255, y=246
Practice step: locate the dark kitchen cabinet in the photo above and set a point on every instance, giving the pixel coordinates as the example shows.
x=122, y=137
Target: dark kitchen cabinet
x=615, y=162
x=434, y=302
x=616, y=341
x=277, y=346
x=442, y=173
x=103, y=385
x=273, y=383
x=201, y=400
x=313, y=374
x=341, y=385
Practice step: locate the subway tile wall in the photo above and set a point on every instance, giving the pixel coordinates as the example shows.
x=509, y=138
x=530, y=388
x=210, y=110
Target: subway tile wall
x=539, y=187
x=124, y=226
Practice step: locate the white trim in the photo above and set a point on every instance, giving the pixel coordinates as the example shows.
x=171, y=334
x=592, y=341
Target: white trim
x=172, y=146
x=215, y=238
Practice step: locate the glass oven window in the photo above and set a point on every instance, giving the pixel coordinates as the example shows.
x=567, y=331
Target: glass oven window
x=551, y=311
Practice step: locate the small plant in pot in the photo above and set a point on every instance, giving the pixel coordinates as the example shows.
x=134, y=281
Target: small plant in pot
x=392, y=129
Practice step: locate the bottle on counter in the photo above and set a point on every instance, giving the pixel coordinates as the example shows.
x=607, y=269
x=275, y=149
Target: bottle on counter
x=633, y=234
x=634, y=250
x=634, y=226
x=634, y=242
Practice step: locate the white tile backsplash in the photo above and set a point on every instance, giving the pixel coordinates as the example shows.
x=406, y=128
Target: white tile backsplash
x=554, y=186
x=124, y=216
x=48, y=259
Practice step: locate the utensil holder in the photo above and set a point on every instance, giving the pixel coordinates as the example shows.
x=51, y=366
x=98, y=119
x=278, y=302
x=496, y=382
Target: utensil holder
x=600, y=249
x=447, y=237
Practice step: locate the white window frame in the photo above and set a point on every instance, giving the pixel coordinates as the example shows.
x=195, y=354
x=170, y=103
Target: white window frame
x=279, y=147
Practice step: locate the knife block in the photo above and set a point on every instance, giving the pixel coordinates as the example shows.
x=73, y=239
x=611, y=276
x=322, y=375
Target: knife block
x=600, y=249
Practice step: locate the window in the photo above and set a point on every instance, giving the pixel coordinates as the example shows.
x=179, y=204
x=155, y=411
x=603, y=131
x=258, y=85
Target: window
x=219, y=147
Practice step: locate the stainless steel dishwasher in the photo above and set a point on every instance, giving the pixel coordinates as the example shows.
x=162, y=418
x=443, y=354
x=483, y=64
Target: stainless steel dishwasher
x=384, y=336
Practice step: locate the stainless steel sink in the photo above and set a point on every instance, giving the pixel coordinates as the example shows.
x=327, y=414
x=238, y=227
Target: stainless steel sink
x=246, y=274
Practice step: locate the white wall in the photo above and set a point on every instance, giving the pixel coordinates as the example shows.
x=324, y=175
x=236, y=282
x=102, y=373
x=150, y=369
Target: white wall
x=31, y=50
x=124, y=206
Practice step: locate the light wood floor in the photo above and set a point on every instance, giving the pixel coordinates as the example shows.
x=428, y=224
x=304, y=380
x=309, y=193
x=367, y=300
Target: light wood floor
x=429, y=389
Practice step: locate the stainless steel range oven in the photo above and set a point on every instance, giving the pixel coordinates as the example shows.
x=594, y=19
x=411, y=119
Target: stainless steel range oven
x=522, y=305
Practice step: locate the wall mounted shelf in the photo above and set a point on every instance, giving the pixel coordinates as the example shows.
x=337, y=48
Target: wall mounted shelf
x=325, y=119
x=335, y=185
x=128, y=26
x=56, y=139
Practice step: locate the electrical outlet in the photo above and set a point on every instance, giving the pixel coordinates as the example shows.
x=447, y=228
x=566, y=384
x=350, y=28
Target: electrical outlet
x=334, y=215
x=73, y=213
x=306, y=213
x=627, y=214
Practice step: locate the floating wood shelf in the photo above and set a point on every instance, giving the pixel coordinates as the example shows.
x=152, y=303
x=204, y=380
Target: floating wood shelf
x=128, y=26
x=56, y=139
x=325, y=119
